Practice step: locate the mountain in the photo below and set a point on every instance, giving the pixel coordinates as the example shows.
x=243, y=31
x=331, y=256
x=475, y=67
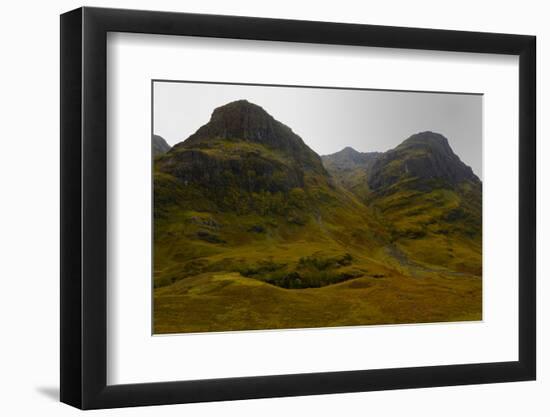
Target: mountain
x=348, y=159
x=245, y=178
x=430, y=202
x=160, y=146
x=349, y=168
x=241, y=160
x=254, y=230
x=424, y=156
x=242, y=121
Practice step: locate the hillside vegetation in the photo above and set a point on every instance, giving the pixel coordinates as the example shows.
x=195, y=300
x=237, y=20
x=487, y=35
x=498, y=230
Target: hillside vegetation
x=254, y=230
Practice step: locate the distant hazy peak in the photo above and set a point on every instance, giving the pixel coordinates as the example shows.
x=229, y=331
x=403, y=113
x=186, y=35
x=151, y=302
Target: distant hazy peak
x=349, y=158
x=348, y=150
x=160, y=146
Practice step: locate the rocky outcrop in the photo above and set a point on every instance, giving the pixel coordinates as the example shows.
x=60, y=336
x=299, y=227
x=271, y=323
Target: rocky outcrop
x=247, y=171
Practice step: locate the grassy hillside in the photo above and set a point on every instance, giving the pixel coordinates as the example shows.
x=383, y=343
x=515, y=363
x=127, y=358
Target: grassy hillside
x=254, y=233
x=237, y=226
x=229, y=301
x=427, y=200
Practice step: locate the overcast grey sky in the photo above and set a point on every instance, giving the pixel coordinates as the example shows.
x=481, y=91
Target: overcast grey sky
x=330, y=119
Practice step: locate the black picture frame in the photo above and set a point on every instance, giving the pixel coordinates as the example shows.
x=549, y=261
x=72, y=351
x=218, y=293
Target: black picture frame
x=84, y=207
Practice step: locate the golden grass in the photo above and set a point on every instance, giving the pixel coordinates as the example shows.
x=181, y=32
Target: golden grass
x=229, y=302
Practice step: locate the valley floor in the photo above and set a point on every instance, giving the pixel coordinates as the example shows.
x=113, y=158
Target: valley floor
x=228, y=301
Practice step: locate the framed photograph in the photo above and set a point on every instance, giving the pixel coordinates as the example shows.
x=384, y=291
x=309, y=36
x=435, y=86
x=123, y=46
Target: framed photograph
x=256, y=208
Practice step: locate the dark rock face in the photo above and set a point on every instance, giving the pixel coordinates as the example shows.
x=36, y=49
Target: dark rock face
x=160, y=146
x=244, y=121
x=425, y=156
x=247, y=171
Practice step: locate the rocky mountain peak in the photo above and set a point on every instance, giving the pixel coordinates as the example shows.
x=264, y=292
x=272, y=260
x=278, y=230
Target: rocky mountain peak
x=239, y=109
x=242, y=120
x=425, y=156
x=428, y=140
x=348, y=150
x=348, y=153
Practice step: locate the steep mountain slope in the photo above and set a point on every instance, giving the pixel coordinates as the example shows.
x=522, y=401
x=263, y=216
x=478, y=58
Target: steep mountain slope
x=430, y=201
x=160, y=146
